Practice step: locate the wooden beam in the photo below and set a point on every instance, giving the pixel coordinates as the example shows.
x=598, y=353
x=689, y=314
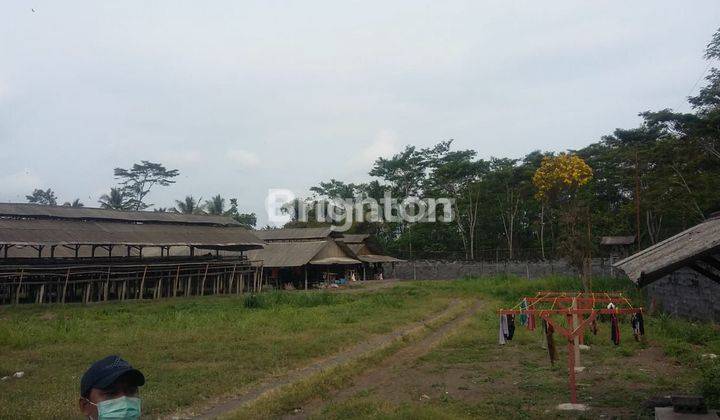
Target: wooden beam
x=705, y=272
x=711, y=261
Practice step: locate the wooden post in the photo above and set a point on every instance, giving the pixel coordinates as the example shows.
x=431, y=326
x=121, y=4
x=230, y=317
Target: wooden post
x=124, y=290
x=41, y=294
x=202, y=283
x=232, y=279
x=107, y=286
x=306, y=277
x=88, y=288
x=573, y=323
x=67, y=279
x=17, y=290
x=142, y=283
x=571, y=361
x=177, y=280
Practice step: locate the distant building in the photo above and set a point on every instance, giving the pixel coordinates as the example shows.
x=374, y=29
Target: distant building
x=64, y=254
x=681, y=274
x=304, y=256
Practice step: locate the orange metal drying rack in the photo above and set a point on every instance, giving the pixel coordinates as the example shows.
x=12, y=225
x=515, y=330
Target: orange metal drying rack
x=573, y=306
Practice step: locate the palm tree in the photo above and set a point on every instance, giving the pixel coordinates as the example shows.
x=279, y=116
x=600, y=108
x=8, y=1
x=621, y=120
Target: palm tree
x=116, y=200
x=216, y=205
x=189, y=206
x=75, y=204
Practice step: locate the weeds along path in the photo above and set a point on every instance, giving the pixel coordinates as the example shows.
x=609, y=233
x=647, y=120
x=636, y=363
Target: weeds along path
x=448, y=318
x=382, y=373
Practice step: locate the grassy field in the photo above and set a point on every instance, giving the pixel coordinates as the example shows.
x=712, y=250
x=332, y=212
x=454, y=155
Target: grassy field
x=190, y=350
x=471, y=376
x=196, y=350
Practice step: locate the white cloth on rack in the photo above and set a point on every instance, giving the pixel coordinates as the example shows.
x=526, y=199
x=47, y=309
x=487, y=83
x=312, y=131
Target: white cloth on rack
x=503, y=331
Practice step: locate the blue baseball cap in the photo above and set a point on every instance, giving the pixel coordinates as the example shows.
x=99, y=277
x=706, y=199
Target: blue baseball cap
x=105, y=372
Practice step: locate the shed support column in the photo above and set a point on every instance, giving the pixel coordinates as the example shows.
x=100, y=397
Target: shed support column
x=177, y=280
x=67, y=278
x=107, y=285
x=142, y=283
x=232, y=279
x=306, y=277
x=17, y=290
x=202, y=284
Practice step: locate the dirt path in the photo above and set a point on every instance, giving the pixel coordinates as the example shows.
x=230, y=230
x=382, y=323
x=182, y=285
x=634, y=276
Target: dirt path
x=341, y=358
x=385, y=372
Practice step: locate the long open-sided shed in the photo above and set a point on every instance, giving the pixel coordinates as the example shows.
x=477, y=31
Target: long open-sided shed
x=59, y=254
x=682, y=273
x=369, y=252
x=302, y=256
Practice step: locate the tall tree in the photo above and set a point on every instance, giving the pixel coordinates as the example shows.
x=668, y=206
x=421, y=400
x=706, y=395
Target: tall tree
x=215, y=205
x=44, y=197
x=114, y=200
x=189, y=205
x=141, y=178
x=248, y=220
x=75, y=203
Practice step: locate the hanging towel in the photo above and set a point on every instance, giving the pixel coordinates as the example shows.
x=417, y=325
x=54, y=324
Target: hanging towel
x=503, y=331
x=511, y=327
x=638, y=326
x=549, y=330
x=614, y=329
x=531, y=322
x=523, y=317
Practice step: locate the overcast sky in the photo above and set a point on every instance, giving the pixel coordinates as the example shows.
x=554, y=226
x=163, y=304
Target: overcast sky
x=244, y=96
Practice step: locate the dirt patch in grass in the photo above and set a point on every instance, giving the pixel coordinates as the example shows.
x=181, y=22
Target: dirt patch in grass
x=470, y=375
x=385, y=372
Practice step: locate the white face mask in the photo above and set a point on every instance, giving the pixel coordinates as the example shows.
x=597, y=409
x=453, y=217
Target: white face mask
x=118, y=408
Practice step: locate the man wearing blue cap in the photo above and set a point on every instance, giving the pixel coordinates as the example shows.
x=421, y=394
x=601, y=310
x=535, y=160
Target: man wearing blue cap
x=109, y=390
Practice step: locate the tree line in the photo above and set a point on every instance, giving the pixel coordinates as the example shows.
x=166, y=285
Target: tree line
x=135, y=185
x=651, y=182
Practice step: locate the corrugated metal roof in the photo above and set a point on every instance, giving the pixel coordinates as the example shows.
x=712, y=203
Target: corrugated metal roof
x=24, y=210
x=287, y=254
x=617, y=240
x=74, y=232
x=673, y=253
x=290, y=234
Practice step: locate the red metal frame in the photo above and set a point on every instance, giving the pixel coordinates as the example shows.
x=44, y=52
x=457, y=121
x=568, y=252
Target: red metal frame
x=581, y=303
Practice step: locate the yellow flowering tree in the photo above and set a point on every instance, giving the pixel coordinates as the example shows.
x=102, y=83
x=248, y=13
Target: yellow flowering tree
x=558, y=181
x=559, y=177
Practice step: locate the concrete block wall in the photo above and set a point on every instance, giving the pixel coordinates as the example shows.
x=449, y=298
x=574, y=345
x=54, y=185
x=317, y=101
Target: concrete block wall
x=686, y=294
x=447, y=270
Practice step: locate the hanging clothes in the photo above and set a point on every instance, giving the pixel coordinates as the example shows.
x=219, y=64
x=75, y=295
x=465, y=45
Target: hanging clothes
x=531, y=322
x=503, y=330
x=638, y=326
x=511, y=327
x=549, y=330
x=523, y=317
x=614, y=329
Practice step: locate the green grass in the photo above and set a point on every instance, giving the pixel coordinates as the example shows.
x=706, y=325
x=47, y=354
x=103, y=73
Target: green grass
x=196, y=350
x=517, y=380
x=191, y=350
